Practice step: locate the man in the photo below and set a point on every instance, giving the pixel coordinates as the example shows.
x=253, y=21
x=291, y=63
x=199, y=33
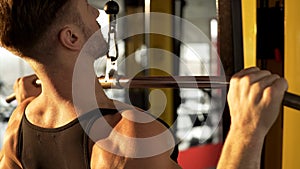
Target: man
x=43, y=132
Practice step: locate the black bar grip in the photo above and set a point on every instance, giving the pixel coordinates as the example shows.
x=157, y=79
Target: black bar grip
x=291, y=100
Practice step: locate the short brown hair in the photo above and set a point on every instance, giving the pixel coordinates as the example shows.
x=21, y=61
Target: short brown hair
x=23, y=23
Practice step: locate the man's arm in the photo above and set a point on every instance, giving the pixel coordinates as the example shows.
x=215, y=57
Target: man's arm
x=9, y=153
x=23, y=88
x=254, y=100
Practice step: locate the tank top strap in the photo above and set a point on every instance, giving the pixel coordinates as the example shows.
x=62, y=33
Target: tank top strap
x=96, y=114
x=91, y=117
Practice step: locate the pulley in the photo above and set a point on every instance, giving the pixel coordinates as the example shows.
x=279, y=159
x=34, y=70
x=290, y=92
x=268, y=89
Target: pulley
x=112, y=9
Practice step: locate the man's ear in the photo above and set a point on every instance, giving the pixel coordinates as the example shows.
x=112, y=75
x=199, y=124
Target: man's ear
x=70, y=38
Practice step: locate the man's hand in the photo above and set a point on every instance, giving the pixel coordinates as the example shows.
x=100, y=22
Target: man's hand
x=254, y=100
x=25, y=87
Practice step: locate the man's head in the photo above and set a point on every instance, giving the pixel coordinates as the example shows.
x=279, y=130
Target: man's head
x=25, y=22
x=32, y=27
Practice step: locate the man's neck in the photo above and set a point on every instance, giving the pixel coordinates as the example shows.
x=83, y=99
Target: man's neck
x=76, y=85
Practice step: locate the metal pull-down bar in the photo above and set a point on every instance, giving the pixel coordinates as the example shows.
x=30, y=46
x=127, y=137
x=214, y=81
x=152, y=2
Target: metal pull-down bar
x=176, y=82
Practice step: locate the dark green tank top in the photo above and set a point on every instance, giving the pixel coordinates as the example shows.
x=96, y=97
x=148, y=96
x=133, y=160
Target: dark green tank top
x=66, y=147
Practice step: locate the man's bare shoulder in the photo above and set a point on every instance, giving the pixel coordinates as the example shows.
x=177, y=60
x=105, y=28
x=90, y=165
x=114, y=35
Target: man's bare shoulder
x=136, y=123
x=131, y=124
x=136, y=140
x=16, y=117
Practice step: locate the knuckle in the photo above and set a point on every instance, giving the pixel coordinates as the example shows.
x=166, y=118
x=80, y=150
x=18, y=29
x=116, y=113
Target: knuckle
x=267, y=72
x=257, y=87
x=268, y=93
x=246, y=80
x=21, y=81
x=17, y=81
x=276, y=76
x=234, y=80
